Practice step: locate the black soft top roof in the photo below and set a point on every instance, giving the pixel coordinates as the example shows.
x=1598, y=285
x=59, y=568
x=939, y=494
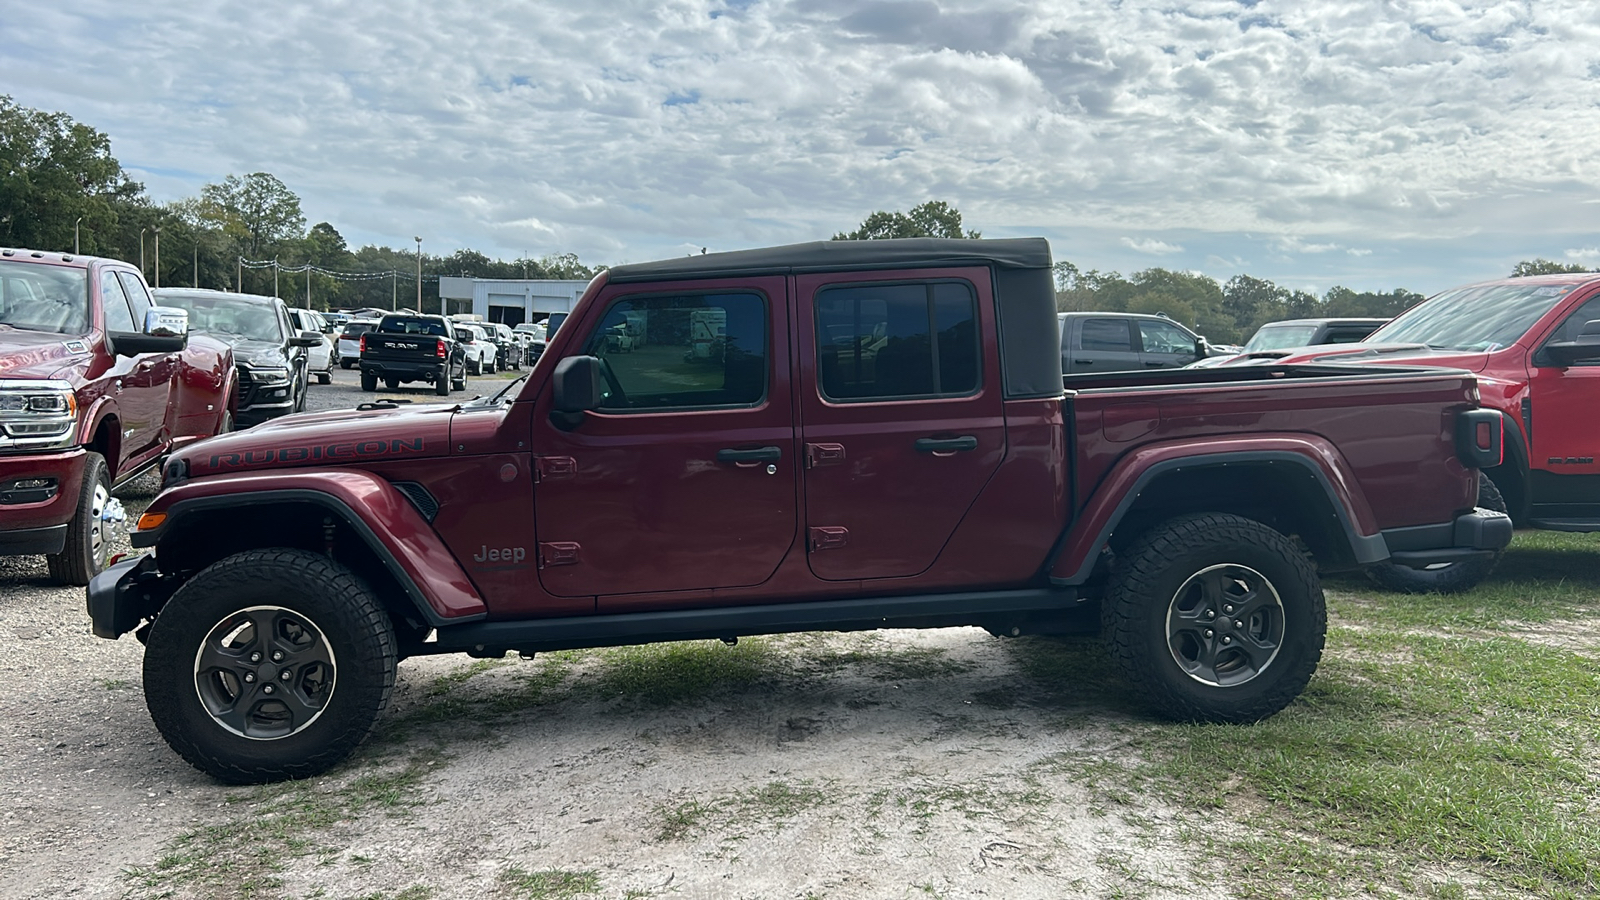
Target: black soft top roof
x=1024, y=290
x=834, y=256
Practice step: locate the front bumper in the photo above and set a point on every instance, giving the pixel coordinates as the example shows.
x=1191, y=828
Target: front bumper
x=125, y=594
x=1480, y=533
x=34, y=516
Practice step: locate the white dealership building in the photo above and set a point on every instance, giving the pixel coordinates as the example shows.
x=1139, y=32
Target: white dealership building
x=512, y=300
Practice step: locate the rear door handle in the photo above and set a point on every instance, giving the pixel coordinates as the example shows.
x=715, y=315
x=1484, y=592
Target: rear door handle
x=759, y=454
x=1083, y=362
x=946, y=445
x=1156, y=365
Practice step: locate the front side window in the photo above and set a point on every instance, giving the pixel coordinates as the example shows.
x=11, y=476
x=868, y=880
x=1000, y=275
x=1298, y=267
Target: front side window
x=683, y=351
x=897, y=341
x=1573, y=326
x=1164, y=337
x=138, y=297
x=44, y=298
x=118, y=318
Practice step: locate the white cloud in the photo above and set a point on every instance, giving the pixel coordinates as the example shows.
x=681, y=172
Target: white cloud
x=631, y=129
x=1151, y=246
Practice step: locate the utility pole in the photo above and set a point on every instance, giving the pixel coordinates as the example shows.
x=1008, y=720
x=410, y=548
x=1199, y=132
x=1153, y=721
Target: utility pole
x=308, y=285
x=394, y=290
x=241, y=273
x=142, y=272
x=75, y=235
x=196, y=263
x=274, y=276
x=157, y=282
x=419, y=274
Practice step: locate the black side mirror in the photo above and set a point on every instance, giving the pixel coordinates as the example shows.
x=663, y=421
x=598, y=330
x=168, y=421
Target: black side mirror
x=306, y=339
x=577, y=384
x=1562, y=354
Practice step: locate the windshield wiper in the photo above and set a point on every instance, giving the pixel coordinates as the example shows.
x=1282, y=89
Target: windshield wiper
x=502, y=392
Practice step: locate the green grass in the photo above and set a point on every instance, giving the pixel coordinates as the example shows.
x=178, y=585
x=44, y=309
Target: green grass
x=1432, y=739
x=767, y=806
x=550, y=884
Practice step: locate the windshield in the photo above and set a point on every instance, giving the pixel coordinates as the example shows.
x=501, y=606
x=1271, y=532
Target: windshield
x=411, y=325
x=44, y=298
x=1477, y=319
x=253, y=320
x=1280, y=337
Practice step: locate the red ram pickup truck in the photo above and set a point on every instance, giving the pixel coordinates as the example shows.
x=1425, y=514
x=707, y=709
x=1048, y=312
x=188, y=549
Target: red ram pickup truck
x=96, y=384
x=837, y=435
x=1535, y=345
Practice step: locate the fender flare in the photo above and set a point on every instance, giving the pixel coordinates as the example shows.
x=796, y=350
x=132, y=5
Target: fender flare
x=1106, y=508
x=385, y=520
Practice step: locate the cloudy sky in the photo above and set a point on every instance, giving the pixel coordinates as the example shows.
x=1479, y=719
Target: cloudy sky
x=1406, y=143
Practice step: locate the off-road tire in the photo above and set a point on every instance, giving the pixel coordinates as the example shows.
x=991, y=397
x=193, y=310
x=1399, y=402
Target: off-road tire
x=369, y=381
x=297, y=586
x=1451, y=578
x=88, y=546
x=1144, y=600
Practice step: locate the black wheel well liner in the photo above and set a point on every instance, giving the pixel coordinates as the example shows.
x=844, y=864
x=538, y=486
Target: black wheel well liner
x=197, y=533
x=106, y=440
x=1281, y=489
x=1512, y=476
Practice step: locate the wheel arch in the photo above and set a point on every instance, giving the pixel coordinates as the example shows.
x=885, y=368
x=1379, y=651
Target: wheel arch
x=1285, y=489
x=392, y=547
x=1511, y=477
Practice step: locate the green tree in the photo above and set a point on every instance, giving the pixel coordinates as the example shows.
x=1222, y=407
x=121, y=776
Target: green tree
x=935, y=218
x=1542, y=266
x=55, y=172
x=258, y=211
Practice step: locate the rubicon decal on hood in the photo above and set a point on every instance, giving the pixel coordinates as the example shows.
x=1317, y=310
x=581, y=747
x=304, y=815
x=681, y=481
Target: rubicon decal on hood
x=341, y=450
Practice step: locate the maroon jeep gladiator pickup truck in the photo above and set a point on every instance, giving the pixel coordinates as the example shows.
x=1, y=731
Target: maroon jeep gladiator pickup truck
x=96, y=384
x=836, y=435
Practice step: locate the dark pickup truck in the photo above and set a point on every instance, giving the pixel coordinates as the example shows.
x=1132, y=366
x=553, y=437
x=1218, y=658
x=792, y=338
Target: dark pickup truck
x=407, y=348
x=837, y=435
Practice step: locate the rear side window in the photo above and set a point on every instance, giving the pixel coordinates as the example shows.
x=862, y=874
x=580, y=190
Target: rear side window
x=357, y=329
x=897, y=341
x=1106, y=334
x=683, y=351
x=138, y=297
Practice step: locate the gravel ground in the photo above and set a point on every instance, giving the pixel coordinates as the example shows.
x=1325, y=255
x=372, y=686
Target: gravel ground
x=899, y=764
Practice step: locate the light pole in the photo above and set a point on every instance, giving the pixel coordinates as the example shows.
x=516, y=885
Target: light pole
x=419, y=274
x=157, y=282
x=75, y=225
x=196, y=263
x=394, y=290
x=141, y=250
x=274, y=276
x=240, y=262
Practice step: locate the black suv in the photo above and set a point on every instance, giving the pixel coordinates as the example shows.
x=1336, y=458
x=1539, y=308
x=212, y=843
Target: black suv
x=268, y=352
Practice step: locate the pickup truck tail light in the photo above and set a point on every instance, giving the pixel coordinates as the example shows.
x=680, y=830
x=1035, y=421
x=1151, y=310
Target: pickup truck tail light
x=363, y=343
x=440, y=352
x=1480, y=438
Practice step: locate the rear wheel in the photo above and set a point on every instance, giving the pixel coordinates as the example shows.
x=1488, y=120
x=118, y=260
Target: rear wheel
x=369, y=381
x=476, y=368
x=346, y=363
x=392, y=384
x=1444, y=578
x=90, y=531
x=269, y=664
x=441, y=381
x=1215, y=617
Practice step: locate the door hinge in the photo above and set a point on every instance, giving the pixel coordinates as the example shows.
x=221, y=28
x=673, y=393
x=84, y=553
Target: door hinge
x=828, y=537
x=558, y=553
x=824, y=455
x=554, y=468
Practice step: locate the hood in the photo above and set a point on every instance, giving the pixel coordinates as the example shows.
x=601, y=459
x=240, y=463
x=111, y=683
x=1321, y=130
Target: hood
x=338, y=438
x=1390, y=354
x=252, y=352
x=39, y=354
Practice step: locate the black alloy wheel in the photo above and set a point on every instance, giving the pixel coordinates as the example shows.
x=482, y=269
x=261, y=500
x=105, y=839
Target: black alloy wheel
x=269, y=664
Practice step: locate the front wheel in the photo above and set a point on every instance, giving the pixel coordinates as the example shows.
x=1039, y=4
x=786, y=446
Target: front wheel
x=1444, y=578
x=1215, y=617
x=269, y=664
x=89, y=533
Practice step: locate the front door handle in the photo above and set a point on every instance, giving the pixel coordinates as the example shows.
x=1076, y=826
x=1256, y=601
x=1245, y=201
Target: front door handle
x=759, y=454
x=946, y=445
x=1156, y=365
